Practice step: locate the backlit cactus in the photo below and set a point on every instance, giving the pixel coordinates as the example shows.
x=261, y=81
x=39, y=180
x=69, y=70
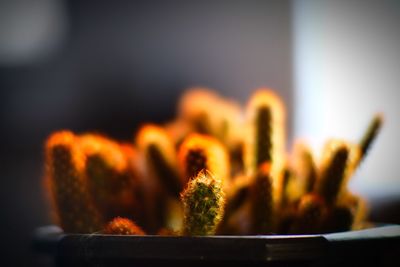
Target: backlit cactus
x=65, y=164
x=283, y=195
x=199, y=152
x=110, y=180
x=214, y=169
x=194, y=108
x=223, y=120
x=265, y=132
x=203, y=204
x=370, y=134
x=310, y=215
x=333, y=170
x=261, y=203
x=122, y=226
x=237, y=197
x=304, y=168
x=160, y=156
x=340, y=218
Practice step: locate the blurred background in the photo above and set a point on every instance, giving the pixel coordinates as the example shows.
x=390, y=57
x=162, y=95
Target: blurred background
x=109, y=67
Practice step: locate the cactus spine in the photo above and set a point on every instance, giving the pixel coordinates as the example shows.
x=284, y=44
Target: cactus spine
x=203, y=205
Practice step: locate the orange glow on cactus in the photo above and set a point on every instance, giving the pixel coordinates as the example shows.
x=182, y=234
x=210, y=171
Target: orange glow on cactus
x=66, y=139
x=153, y=134
x=122, y=226
x=265, y=99
x=330, y=168
x=92, y=144
x=194, y=106
x=208, y=113
x=75, y=212
x=199, y=152
x=110, y=177
x=214, y=146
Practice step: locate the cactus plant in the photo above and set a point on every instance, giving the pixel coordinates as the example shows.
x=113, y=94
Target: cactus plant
x=333, y=170
x=209, y=150
x=340, y=218
x=339, y=161
x=110, y=181
x=194, y=108
x=160, y=162
x=285, y=181
x=304, y=168
x=65, y=164
x=160, y=156
x=199, y=152
x=203, y=204
x=261, y=203
x=122, y=226
x=236, y=197
x=223, y=121
x=310, y=215
x=370, y=134
x=265, y=131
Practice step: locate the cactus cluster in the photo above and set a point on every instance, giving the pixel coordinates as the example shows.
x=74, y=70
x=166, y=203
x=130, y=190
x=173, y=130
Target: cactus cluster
x=216, y=169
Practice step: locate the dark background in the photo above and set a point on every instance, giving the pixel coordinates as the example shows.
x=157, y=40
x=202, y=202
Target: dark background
x=111, y=66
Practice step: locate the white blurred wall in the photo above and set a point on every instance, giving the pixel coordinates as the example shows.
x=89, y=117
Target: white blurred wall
x=347, y=67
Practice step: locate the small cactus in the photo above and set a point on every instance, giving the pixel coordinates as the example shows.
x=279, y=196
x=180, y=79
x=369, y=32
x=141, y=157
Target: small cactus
x=263, y=136
x=160, y=162
x=370, y=135
x=283, y=195
x=122, y=226
x=203, y=204
x=333, y=170
x=304, y=167
x=340, y=218
x=261, y=204
x=311, y=213
x=358, y=208
x=68, y=188
x=223, y=121
x=194, y=107
x=160, y=156
x=238, y=194
x=199, y=152
x=110, y=181
x=236, y=197
x=265, y=131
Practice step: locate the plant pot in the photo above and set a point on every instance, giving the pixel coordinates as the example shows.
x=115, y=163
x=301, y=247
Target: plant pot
x=374, y=246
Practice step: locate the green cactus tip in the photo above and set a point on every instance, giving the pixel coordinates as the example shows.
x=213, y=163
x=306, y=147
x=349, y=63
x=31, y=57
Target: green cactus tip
x=203, y=204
